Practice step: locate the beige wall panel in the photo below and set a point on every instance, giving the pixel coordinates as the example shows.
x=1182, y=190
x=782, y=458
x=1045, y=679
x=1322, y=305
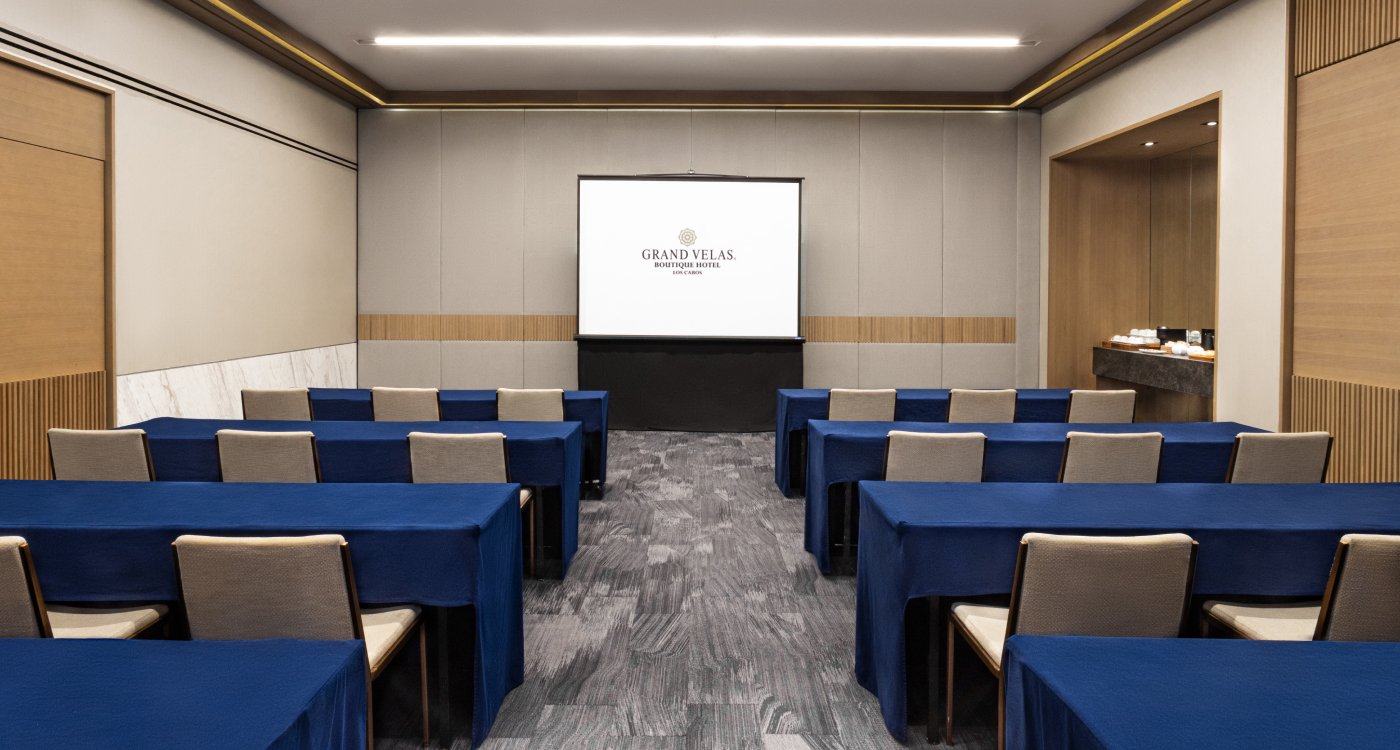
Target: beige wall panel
x=830, y=365
x=482, y=364
x=228, y=245
x=483, y=211
x=979, y=210
x=1028, y=249
x=550, y=364
x=156, y=42
x=559, y=146
x=648, y=141
x=901, y=213
x=901, y=365
x=1242, y=52
x=738, y=142
x=979, y=366
x=400, y=364
x=824, y=148
x=400, y=211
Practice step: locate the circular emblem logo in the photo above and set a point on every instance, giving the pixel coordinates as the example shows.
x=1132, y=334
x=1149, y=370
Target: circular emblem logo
x=687, y=237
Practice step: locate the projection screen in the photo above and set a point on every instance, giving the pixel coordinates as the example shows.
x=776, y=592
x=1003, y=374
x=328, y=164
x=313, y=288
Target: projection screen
x=689, y=257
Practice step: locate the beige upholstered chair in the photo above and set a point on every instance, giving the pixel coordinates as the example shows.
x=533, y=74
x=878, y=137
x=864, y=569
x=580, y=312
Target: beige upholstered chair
x=1104, y=458
x=966, y=405
x=405, y=404
x=465, y=459
x=1102, y=407
x=934, y=456
x=1124, y=586
x=100, y=455
x=1361, y=603
x=530, y=404
x=1283, y=458
x=250, y=456
x=284, y=404
x=861, y=404
x=251, y=588
x=23, y=613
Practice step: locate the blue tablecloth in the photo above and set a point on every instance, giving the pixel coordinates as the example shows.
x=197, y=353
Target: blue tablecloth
x=589, y=408
x=542, y=454
x=947, y=540
x=798, y=406
x=855, y=451
x=176, y=695
x=1146, y=694
x=441, y=545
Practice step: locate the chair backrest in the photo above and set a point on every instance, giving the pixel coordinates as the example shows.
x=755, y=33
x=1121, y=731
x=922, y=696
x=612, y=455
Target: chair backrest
x=1102, y=458
x=251, y=456
x=100, y=455
x=440, y=458
x=22, y=613
x=966, y=405
x=249, y=588
x=405, y=404
x=286, y=404
x=530, y=404
x=1102, y=407
x=1282, y=458
x=1128, y=586
x=934, y=456
x=1362, y=602
x=861, y=404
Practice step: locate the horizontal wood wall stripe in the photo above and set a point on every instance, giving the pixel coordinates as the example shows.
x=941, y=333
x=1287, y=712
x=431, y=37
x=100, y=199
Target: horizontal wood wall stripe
x=434, y=327
x=28, y=408
x=1364, y=421
x=1329, y=31
x=881, y=329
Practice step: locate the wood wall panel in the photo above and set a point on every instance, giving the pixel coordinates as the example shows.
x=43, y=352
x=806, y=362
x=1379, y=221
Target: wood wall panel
x=53, y=296
x=28, y=408
x=432, y=327
x=1364, y=421
x=1346, y=223
x=1329, y=31
x=1184, y=238
x=42, y=110
x=1100, y=261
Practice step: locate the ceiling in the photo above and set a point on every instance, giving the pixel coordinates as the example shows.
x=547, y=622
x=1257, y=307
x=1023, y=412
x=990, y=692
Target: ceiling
x=1058, y=25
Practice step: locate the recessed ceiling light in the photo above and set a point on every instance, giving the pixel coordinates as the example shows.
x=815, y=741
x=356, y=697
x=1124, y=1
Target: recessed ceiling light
x=1211, y=124
x=1150, y=144
x=698, y=41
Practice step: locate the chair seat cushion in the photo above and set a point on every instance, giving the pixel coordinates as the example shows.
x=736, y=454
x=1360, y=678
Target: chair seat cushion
x=384, y=629
x=1268, y=622
x=985, y=625
x=525, y=496
x=95, y=622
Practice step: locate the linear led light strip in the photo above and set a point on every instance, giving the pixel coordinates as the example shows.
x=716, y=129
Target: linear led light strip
x=919, y=42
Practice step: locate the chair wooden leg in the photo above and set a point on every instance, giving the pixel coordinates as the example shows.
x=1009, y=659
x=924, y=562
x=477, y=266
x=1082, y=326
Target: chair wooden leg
x=1001, y=713
x=847, y=538
x=948, y=686
x=532, y=536
x=369, y=715
x=423, y=681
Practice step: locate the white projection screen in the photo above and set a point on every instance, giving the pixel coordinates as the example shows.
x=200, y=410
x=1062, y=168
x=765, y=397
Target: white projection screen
x=689, y=257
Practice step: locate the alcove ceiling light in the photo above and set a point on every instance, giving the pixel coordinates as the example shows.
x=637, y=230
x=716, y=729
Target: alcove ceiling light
x=1211, y=124
x=909, y=42
x=1149, y=144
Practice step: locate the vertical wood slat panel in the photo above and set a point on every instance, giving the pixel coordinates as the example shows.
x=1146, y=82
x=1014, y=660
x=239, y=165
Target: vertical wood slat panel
x=1329, y=31
x=1364, y=421
x=28, y=408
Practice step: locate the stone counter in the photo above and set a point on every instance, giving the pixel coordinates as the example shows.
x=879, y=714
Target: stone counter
x=1164, y=371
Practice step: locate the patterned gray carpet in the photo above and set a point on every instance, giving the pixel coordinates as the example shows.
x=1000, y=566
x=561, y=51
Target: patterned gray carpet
x=693, y=619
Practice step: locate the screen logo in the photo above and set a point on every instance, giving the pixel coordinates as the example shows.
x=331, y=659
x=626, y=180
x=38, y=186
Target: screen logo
x=687, y=237
x=687, y=260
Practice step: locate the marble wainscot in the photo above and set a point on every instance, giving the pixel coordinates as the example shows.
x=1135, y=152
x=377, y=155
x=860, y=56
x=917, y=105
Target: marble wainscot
x=1170, y=388
x=212, y=391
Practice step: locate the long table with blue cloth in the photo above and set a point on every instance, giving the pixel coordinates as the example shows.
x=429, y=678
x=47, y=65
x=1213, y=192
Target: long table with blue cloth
x=846, y=452
x=927, y=544
x=589, y=408
x=213, y=695
x=453, y=549
x=544, y=455
x=1166, y=693
x=798, y=406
